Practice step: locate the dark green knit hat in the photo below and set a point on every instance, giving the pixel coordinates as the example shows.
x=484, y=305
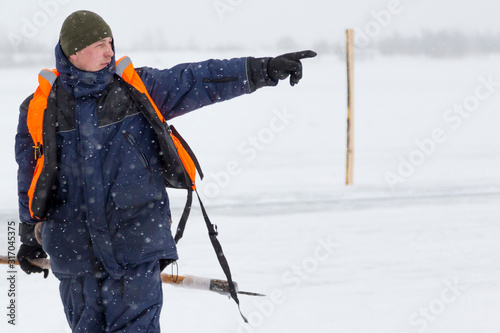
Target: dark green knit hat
x=81, y=29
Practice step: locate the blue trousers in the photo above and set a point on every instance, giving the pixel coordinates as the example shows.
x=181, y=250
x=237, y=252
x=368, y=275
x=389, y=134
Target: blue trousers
x=102, y=304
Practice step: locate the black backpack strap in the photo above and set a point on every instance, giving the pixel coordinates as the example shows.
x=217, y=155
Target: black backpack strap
x=212, y=232
x=185, y=214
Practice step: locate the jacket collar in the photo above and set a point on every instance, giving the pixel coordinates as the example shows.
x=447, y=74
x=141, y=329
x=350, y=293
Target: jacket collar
x=82, y=83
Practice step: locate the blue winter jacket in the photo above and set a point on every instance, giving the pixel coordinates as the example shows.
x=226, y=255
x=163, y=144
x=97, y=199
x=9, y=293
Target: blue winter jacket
x=110, y=208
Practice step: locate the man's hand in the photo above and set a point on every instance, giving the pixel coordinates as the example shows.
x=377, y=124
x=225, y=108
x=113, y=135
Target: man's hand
x=30, y=252
x=280, y=67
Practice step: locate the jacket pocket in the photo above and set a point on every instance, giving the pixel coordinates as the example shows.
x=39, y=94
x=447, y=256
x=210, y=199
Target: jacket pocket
x=139, y=222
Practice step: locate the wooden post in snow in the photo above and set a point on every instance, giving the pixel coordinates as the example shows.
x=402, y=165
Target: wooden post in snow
x=350, y=106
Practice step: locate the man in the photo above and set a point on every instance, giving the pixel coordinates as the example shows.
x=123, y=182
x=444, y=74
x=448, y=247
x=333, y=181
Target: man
x=93, y=168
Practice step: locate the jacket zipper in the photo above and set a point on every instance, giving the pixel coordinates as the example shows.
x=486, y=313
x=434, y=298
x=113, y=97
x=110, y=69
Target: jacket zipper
x=221, y=80
x=133, y=143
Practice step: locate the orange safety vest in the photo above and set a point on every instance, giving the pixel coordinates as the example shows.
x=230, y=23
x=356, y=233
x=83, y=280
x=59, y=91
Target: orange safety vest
x=39, y=190
x=36, y=111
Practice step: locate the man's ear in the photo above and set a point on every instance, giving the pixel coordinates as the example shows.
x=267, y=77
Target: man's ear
x=73, y=57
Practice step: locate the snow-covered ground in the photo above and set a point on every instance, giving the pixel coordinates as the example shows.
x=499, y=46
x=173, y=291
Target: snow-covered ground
x=411, y=247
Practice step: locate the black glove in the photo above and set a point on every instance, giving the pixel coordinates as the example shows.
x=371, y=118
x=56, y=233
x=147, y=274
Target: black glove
x=268, y=71
x=30, y=252
x=288, y=64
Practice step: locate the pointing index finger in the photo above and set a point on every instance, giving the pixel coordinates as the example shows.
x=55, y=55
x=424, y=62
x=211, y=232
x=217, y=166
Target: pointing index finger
x=306, y=54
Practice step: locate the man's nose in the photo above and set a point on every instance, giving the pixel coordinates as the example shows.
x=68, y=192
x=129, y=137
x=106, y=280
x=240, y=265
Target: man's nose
x=109, y=51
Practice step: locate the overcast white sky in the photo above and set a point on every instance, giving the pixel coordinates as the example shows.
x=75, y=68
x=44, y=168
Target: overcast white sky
x=250, y=22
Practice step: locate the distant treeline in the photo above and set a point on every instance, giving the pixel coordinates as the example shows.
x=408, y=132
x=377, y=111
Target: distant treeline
x=440, y=44
x=436, y=44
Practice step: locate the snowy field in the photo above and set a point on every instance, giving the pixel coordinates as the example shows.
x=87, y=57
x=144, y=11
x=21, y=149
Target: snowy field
x=413, y=246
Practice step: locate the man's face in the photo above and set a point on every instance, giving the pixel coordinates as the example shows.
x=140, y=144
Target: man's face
x=94, y=57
